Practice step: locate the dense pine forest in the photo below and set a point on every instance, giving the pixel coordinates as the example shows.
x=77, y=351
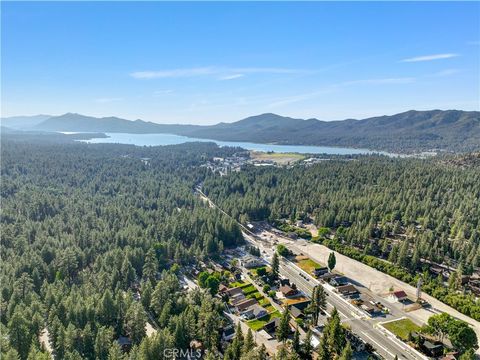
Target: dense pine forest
x=86, y=228
x=408, y=211
x=83, y=227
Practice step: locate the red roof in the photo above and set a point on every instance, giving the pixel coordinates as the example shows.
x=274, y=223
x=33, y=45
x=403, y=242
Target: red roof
x=400, y=294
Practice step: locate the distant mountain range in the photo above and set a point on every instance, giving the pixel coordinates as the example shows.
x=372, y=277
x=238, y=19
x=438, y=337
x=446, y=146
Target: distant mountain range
x=411, y=131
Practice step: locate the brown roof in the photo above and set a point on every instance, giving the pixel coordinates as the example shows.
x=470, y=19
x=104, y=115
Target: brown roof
x=242, y=305
x=287, y=290
x=234, y=291
x=347, y=289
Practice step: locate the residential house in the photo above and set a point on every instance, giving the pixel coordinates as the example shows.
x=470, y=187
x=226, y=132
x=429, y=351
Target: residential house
x=296, y=312
x=288, y=291
x=228, y=333
x=432, y=349
x=251, y=261
x=302, y=305
x=233, y=291
x=319, y=271
x=125, y=343
x=244, y=304
x=235, y=299
x=338, y=281
x=254, y=312
x=398, y=296
x=272, y=325
x=348, y=290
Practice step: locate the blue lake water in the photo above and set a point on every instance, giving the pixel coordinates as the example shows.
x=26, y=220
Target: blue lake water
x=169, y=139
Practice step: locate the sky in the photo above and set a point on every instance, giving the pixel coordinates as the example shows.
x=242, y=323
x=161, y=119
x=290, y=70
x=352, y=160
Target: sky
x=204, y=63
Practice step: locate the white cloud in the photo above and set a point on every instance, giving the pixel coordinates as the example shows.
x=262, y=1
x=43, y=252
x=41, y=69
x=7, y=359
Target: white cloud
x=430, y=57
x=336, y=87
x=107, y=100
x=446, y=72
x=401, y=80
x=212, y=70
x=159, y=93
x=231, y=77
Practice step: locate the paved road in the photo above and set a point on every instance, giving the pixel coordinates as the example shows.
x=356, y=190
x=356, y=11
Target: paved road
x=359, y=322
x=385, y=345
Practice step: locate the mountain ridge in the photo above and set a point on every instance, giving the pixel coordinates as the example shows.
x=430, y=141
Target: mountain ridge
x=410, y=131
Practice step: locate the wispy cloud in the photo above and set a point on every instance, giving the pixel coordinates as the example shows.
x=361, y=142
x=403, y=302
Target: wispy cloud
x=159, y=93
x=430, y=57
x=446, y=72
x=380, y=81
x=337, y=87
x=107, y=100
x=212, y=70
x=231, y=77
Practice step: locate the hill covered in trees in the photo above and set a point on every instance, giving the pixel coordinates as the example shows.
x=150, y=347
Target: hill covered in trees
x=408, y=132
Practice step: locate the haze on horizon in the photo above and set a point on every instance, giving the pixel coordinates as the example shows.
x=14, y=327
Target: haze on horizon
x=212, y=62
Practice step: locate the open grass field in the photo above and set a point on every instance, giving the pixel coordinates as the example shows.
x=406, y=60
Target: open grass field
x=279, y=158
x=306, y=264
x=258, y=324
x=401, y=328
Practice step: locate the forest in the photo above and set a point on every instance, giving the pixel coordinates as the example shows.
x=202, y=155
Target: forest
x=85, y=228
x=410, y=212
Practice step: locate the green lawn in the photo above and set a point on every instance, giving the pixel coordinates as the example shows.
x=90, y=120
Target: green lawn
x=258, y=324
x=307, y=265
x=401, y=328
x=249, y=289
x=238, y=284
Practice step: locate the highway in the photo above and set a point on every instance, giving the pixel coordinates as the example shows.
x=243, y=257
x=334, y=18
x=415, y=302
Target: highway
x=386, y=346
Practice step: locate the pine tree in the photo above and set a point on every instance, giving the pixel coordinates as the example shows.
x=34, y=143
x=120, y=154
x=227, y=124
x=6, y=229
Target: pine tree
x=283, y=329
x=347, y=352
x=332, y=261
x=275, y=266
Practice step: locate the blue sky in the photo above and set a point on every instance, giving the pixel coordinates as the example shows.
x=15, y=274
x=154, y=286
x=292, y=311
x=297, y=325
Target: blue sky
x=209, y=62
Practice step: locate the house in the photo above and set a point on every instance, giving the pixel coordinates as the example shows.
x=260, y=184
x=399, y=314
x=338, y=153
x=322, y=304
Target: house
x=125, y=343
x=327, y=277
x=235, y=299
x=398, y=296
x=296, y=312
x=432, y=349
x=222, y=289
x=272, y=325
x=338, y=281
x=347, y=290
x=254, y=312
x=302, y=305
x=244, y=304
x=288, y=291
x=319, y=271
x=228, y=333
x=251, y=261
x=233, y=291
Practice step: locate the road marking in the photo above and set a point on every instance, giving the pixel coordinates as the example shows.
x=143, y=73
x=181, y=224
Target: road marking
x=382, y=347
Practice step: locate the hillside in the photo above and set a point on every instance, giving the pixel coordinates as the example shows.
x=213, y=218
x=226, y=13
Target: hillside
x=411, y=131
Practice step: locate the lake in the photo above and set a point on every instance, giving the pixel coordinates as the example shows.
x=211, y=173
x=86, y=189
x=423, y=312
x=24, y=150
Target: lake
x=169, y=139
